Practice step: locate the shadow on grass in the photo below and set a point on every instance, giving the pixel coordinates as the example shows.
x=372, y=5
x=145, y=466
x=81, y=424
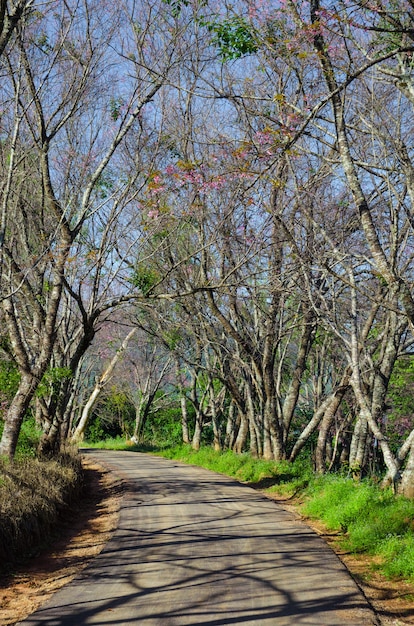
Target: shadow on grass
x=281, y=479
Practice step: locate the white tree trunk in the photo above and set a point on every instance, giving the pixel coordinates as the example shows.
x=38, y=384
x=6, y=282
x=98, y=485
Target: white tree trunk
x=79, y=432
x=406, y=487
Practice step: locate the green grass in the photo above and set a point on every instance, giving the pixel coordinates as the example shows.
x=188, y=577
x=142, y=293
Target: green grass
x=283, y=477
x=398, y=556
x=372, y=521
x=242, y=466
x=117, y=443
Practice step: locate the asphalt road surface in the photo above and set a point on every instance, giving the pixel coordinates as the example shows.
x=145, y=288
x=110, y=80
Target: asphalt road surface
x=194, y=547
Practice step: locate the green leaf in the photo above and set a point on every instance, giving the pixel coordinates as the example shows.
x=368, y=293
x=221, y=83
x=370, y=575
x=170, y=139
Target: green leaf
x=144, y=278
x=233, y=37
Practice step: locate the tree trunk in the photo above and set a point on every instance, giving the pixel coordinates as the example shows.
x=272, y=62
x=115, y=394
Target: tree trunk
x=242, y=434
x=79, y=433
x=406, y=487
x=358, y=445
x=267, y=438
x=405, y=450
x=196, y=440
x=139, y=420
x=230, y=427
x=254, y=431
x=184, y=420
x=292, y=395
x=327, y=421
x=15, y=414
x=333, y=400
x=50, y=440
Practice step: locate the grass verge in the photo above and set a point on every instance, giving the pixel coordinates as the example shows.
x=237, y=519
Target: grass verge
x=372, y=521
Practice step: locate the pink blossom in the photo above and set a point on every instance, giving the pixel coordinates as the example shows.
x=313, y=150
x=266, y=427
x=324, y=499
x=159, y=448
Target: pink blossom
x=153, y=214
x=263, y=138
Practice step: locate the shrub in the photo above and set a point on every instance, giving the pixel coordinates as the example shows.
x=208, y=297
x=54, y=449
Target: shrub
x=163, y=427
x=28, y=438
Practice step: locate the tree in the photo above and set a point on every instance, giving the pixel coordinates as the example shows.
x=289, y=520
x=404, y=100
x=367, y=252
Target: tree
x=74, y=57
x=103, y=380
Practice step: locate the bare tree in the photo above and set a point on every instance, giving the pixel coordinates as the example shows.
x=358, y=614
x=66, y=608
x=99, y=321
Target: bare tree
x=92, y=58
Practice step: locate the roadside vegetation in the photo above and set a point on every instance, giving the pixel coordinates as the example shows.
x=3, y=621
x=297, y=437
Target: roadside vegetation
x=368, y=520
x=34, y=494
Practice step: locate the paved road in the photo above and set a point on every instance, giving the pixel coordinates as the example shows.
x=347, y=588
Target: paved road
x=194, y=547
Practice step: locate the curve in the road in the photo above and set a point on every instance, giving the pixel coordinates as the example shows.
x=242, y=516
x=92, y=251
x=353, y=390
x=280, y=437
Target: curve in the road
x=194, y=547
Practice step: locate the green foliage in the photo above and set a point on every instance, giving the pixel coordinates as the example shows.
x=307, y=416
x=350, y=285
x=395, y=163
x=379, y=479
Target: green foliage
x=43, y=43
x=373, y=521
x=52, y=379
x=163, y=427
x=97, y=430
x=390, y=35
x=5, y=345
x=9, y=382
x=144, y=278
x=114, y=416
x=104, y=185
x=29, y=438
x=176, y=6
x=233, y=37
x=117, y=402
x=172, y=338
x=115, y=105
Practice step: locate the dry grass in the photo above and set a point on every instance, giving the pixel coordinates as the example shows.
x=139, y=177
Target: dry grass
x=33, y=493
x=82, y=533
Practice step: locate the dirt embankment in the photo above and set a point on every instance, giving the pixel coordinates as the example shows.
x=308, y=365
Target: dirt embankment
x=83, y=532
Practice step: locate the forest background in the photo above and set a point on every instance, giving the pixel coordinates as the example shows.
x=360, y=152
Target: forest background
x=215, y=202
